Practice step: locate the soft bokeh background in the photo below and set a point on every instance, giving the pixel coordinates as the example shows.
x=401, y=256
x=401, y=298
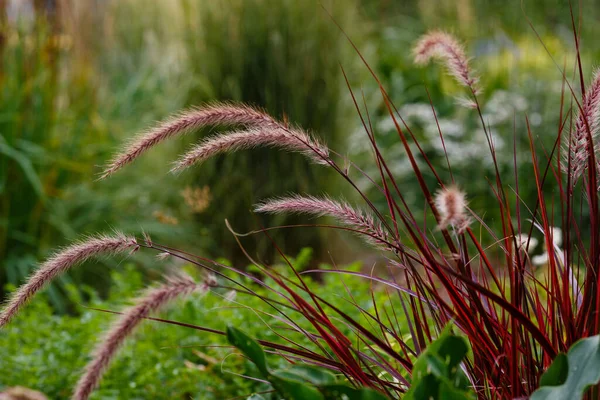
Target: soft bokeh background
x=77, y=78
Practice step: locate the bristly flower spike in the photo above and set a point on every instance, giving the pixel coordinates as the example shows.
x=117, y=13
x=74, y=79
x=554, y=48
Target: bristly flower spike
x=446, y=48
x=60, y=263
x=219, y=114
x=452, y=204
x=151, y=301
x=587, y=118
x=272, y=136
x=342, y=212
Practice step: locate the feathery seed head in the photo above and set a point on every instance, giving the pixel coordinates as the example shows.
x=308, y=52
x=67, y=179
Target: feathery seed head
x=61, y=262
x=446, y=48
x=211, y=280
x=451, y=204
x=274, y=136
x=151, y=301
x=218, y=114
x=342, y=212
x=587, y=125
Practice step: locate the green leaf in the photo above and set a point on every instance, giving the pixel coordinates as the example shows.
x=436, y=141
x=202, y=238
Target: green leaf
x=368, y=394
x=307, y=373
x=249, y=347
x=447, y=391
x=436, y=366
x=583, y=370
x=449, y=348
x=452, y=350
x=436, y=374
x=424, y=388
x=292, y=389
x=557, y=373
x=255, y=397
x=335, y=392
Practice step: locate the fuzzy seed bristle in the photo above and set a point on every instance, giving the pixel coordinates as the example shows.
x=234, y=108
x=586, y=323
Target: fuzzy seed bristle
x=342, y=212
x=289, y=139
x=60, y=263
x=451, y=204
x=218, y=114
x=151, y=301
x=587, y=125
x=446, y=48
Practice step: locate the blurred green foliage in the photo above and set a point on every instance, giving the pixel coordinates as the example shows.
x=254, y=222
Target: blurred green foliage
x=40, y=143
x=77, y=82
x=519, y=78
x=283, y=56
x=47, y=352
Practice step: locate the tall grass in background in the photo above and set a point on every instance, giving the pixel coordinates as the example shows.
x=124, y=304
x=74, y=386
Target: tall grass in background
x=78, y=75
x=284, y=56
x=64, y=104
x=44, y=111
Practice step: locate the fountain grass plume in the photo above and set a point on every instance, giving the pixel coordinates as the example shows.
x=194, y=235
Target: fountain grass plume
x=341, y=211
x=61, y=262
x=452, y=204
x=295, y=140
x=217, y=114
x=446, y=48
x=586, y=125
x=152, y=300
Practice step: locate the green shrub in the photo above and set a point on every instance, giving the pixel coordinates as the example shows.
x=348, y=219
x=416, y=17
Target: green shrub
x=47, y=352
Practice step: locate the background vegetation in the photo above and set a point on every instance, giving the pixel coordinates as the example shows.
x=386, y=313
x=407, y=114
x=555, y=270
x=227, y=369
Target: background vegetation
x=77, y=78
x=164, y=360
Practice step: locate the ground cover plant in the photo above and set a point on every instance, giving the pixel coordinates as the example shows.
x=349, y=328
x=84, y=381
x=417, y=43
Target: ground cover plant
x=164, y=359
x=445, y=265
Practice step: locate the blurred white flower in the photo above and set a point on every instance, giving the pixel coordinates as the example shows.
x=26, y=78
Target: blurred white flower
x=523, y=239
x=417, y=112
x=502, y=107
x=535, y=119
x=543, y=258
x=556, y=236
x=449, y=127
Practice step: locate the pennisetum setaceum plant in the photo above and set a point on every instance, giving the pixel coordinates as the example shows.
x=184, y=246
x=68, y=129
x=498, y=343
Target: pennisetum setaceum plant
x=444, y=266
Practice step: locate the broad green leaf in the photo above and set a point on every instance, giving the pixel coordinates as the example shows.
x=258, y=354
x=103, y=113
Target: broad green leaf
x=452, y=350
x=255, y=397
x=307, y=373
x=583, y=371
x=292, y=389
x=436, y=366
x=447, y=391
x=335, y=392
x=367, y=394
x=557, y=373
x=437, y=375
x=249, y=347
x=424, y=388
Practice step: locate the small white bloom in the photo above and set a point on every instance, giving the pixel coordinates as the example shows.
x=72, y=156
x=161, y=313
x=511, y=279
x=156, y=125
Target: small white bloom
x=523, y=239
x=556, y=236
x=542, y=259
